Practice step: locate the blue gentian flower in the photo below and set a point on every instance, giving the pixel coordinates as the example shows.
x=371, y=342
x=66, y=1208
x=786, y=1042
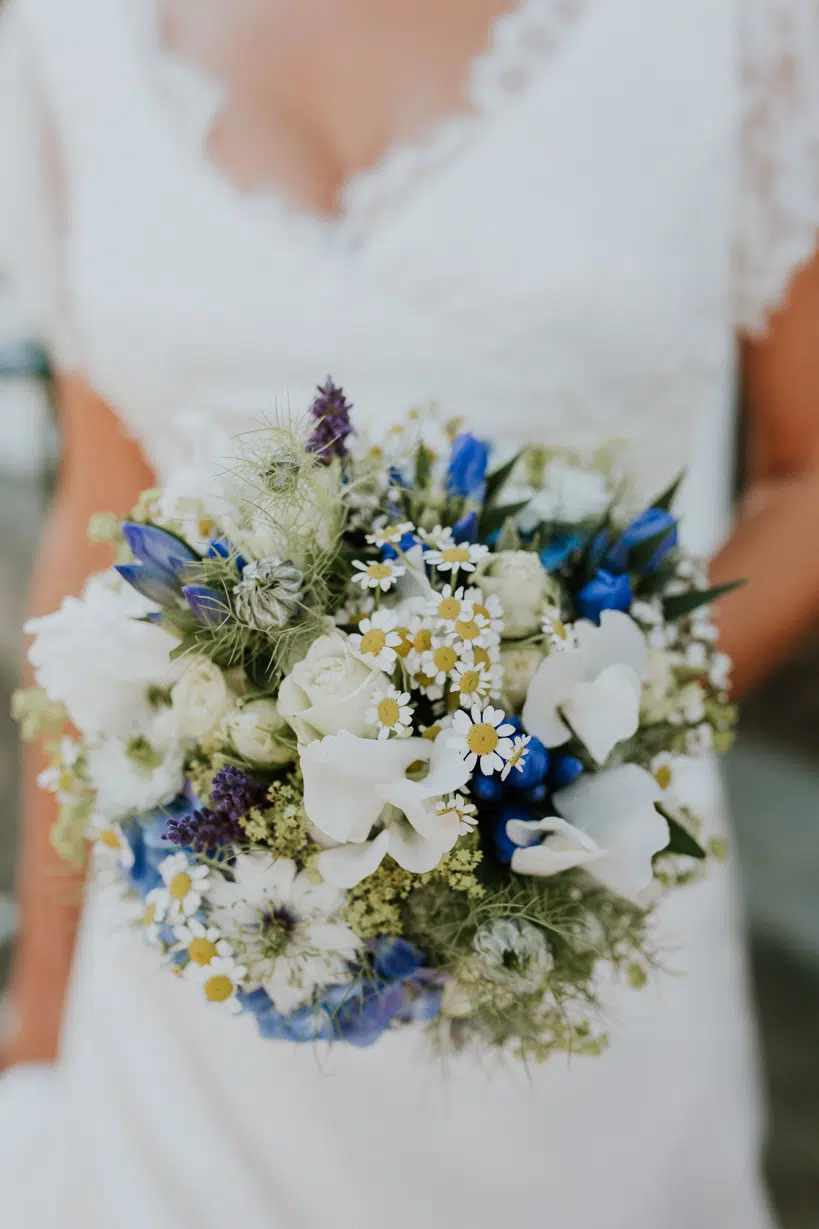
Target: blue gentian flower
x=223, y=548
x=151, y=582
x=466, y=529
x=466, y=474
x=560, y=551
x=209, y=605
x=605, y=591
x=159, y=549
x=649, y=524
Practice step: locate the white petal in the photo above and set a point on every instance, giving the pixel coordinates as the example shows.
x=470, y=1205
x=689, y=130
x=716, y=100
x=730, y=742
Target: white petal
x=347, y=865
x=340, y=772
x=411, y=851
x=554, y=680
x=617, y=639
x=606, y=710
x=616, y=810
x=565, y=848
x=331, y=937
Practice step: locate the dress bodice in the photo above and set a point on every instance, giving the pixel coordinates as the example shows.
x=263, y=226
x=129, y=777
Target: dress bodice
x=563, y=262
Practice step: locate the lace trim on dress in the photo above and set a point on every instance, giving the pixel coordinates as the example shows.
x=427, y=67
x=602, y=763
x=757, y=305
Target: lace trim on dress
x=518, y=43
x=778, y=204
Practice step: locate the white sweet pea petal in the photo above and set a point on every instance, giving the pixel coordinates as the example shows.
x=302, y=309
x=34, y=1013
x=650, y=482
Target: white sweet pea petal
x=605, y=711
x=410, y=849
x=616, y=811
x=340, y=776
x=617, y=639
x=555, y=679
x=347, y=865
x=564, y=847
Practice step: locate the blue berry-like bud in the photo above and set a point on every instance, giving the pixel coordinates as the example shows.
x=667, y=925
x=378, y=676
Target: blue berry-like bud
x=565, y=770
x=486, y=789
x=504, y=846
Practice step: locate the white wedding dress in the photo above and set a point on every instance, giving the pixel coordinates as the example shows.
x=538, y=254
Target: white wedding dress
x=635, y=181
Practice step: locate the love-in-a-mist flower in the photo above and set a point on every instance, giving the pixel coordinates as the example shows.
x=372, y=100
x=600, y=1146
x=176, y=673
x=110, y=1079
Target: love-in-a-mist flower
x=390, y=535
x=377, y=640
x=457, y=557
x=381, y=575
x=517, y=758
x=200, y=943
x=220, y=979
x=458, y=808
x=393, y=714
x=185, y=885
x=482, y=735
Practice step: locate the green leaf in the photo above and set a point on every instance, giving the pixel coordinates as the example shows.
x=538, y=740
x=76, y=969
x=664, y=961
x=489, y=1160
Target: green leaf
x=509, y=537
x=189, y=644
x=494, y=519
x=423, y=467
x=680, y=839
x=682, y=604
x=664, y=502
x=496, y=481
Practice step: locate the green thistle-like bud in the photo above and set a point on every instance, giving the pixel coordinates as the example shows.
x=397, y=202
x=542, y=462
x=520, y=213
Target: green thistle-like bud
x=269, y=594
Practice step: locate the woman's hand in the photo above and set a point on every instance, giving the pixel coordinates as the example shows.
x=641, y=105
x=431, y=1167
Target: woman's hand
x=100, y=470
x=774, y=544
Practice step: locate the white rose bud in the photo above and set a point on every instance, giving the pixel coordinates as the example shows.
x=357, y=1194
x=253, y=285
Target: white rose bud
x=256, y=731
x=331, y=690
x=201, y=699
x=518, y=579
x=519, y=666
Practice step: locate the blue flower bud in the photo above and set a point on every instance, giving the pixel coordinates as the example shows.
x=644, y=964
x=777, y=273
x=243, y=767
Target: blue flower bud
x=605, y=591
x=535, y=795
x=649, y=524
x=564, y=770
x=560, y=551
x=467, y=466
x=466, y=529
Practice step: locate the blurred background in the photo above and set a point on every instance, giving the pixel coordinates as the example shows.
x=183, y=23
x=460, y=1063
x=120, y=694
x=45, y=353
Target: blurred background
x=773, y=778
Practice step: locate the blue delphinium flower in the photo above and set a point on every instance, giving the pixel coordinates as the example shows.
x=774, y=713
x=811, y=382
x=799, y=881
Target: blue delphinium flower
x=652, y=523
x=331, y=412
x=605, y=591
x=560, y=551
x=466, y=474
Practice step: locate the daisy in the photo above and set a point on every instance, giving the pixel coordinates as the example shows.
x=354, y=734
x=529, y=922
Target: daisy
x=392, y=714
x=185, y=883
x=377, y=640
x=381, y=575
x=472, y=681
x=475, y=630
x=147, y=915
x=431, y=732
x=457, y=556
x=560, y=635
x=426, y=685
x=112, y=848
x=516, y=759
x=220, y=979
x=202, y=943
x=356, y=608
x=482, y=735
x=449, y=606
x=390, y=535
x=456, y=807
x=490, y=607
x=439, y=538
x=441, y=661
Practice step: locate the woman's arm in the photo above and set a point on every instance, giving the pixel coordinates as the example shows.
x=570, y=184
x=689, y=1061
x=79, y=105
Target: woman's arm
x=100, y=470
x=776, y=541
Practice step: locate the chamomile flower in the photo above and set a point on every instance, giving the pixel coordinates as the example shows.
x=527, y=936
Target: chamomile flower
x=458, y=556
x=392, y=714
x=559, y=635
x=111, y=846
x=377, y=640
x=518, y=756
x=220, y=979
x=380, y=575
x=439, y=538
x=201, y=943
x=482, y=734
x=441, y=661
x=489, y=606
x=472, y=681
x=185, y=884
x=457, y=807
x=475, y=630
x=662, y=768
x=426, y=684
x=449, y=606
x=356, y=608
x=390, y=535
x=149, y=917
x=431, y=732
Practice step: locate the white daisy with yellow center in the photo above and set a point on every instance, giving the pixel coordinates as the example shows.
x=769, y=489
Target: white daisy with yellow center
x=201, y=943
x=431, y=732
x=457, y=556
x=393, y=714
x=439, y=538
x=355, y=609
x=475, y=631
x=489, y=606
x=484, y=736
x=472, y=681
x=111, y=847
x=516, y=759
x=449, y=606
x=457, y=808
x=419, y=634
x=377, y=640
x=559, y=635
x=441, y=660
x=219, y=979
x=184, y=886
x=147, y=914
x=391, y=535
x=381, y=574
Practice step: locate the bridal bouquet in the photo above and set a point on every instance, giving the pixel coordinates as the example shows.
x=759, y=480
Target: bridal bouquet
x=383, y=733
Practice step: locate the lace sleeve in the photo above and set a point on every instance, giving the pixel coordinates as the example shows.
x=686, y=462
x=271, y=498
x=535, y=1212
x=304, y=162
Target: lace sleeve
x=31, y=251
x=778, y=214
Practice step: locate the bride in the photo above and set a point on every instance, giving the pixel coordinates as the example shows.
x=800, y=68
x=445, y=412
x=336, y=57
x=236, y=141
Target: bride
x=571, y=219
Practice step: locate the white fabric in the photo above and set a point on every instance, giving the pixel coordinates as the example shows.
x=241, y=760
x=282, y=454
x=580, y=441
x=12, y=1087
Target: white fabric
x=565, y=272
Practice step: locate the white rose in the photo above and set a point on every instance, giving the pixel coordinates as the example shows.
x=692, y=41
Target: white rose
x=98, y=657
x=519, y=666
x=517, y=578
x=201, y=699
x=330, y=690
x=256, y=732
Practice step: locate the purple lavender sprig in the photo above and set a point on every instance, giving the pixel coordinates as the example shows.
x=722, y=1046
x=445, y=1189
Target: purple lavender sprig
x=234, y=795
x=331, y=411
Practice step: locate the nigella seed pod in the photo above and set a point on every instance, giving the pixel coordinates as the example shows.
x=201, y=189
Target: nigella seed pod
x=268, y=595
x=281, y=474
